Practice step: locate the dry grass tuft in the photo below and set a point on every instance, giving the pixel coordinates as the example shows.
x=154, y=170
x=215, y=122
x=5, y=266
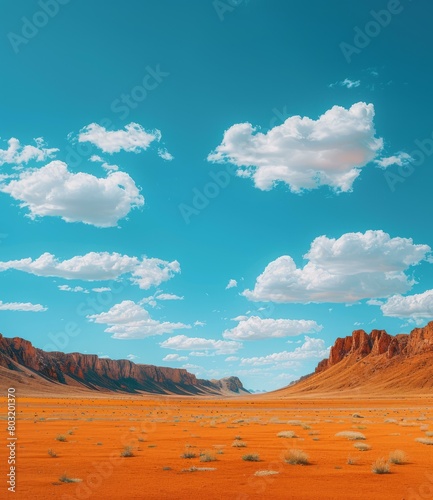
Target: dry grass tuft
x=397, y=457
x=362, y=446
x=251, y=457
x=287, y=434
x=297, y=457
x=381, y=466
x=265, y=473
x=351, y=435
x=424, y=441
x=239, y=444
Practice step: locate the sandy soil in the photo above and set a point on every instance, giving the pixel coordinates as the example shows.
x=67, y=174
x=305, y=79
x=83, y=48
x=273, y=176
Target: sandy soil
x=160, y=430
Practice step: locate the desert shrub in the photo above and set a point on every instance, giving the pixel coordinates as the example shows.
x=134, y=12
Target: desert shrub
x=52, y=453
x=61, y=438
x=397, y=457
x=381, y=466
x=352, y=460
x=351, y=435
x=296, y=457
x=188, y=454
x=424, y=441
x=64, y=478
x=362, y=446
x=251, y=457
x=127, y=452
x=260, y=473
x=207, y=457
x=287, y=434
x=239, y=444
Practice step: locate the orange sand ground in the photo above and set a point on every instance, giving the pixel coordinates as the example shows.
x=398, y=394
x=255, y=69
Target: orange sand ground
x=159, y=429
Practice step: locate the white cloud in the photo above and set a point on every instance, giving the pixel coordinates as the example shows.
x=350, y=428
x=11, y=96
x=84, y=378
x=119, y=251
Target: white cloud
x=54, y=191
x=199, y=323
x=128, y=320
x=67, y=288
x=348, y=83
x=16, y=153
x=168, y=296
x=175, y=357
x=101, y=266
x=240, y=318
x=165, y=155
x=182, y=342
x=311, y=348
x=133, y=139
x=232, y=284
x=302, y=152
x=255, y=328
x=374, y=302
x=131, y=357
x=353, y=267
x=411, y=306
x=21, y=306
x=232, y=358
x=399, y=159
x=105, y=165
x=101, y=289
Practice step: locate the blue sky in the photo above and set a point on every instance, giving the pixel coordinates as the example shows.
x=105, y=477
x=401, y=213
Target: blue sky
x=152, y=153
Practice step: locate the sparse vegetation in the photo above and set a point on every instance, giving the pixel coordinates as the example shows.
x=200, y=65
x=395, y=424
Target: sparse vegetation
x=429, y=434
x=188, y=454
x=362, y=446
x=265, y=473
x=297, y=457
x=127, y=452
x=251, y=457
x=427, y=441
x=61, y=438
x=352, y=460
x=381, y=466
x=198, y=469
x=351, y=435
x=357, y=415
x=52, y=453
x=64, y=478
x=287, y=434
x=239, y=444
x=207, y=457
x=397, y=457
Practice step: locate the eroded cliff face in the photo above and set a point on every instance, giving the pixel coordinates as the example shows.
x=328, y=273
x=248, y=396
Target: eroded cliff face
x=96, y=373
x=361, y=344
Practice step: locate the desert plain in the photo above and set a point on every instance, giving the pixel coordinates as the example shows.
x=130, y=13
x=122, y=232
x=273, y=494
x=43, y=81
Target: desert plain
x=100, y=447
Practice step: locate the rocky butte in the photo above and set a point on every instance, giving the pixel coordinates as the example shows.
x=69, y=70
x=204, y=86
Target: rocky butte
x=22, y=362
x=374, y=362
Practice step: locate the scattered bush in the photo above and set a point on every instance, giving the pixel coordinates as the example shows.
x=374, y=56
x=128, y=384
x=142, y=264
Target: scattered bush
x=207, y=457
x=52, y=453
x=188, y=454
x=351, y=435
x=296, y=457
x=251, y=457
x=64, y=478
x=397, y=457
x=127, y=452
x=381, y=466
x=265, y=473
x=424, y=441
x=362, y=446
x=239, y=444
x=61, y=438
x=287, y=434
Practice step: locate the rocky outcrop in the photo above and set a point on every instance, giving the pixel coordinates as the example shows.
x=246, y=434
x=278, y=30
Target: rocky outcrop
x=361, y=344
x=115, y=375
